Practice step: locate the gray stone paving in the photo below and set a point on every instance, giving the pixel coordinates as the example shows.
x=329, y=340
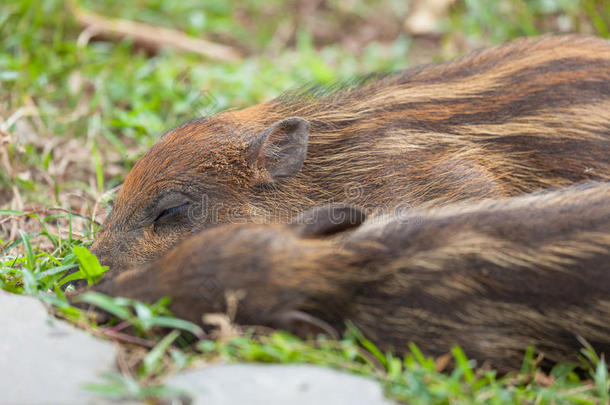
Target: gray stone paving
x=44, y=360
x=258, y=384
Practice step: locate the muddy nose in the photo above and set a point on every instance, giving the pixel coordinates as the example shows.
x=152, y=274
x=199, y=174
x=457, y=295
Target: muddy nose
x=108, y=250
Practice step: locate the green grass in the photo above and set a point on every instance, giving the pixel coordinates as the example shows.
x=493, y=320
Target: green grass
x=74, y=118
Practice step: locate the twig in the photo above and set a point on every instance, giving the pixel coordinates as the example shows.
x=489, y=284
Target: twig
x=127, y=338
x=149, y=36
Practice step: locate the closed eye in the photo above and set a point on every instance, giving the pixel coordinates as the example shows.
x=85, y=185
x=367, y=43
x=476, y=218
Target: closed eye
x=171, y=211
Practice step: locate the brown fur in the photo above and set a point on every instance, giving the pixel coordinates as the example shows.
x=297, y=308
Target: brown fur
x=492, y=276
x=528, y=115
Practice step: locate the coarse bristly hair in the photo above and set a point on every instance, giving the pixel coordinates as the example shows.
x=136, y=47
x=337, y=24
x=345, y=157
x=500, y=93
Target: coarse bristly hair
x=525, y=116
x=493, y=276
x=485, y=239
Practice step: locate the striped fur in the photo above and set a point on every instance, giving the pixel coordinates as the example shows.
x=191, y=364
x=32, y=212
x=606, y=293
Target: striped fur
x=493, y=276
x=528, y=115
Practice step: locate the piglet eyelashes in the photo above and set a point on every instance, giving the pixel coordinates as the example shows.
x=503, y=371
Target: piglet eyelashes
x=170, y=211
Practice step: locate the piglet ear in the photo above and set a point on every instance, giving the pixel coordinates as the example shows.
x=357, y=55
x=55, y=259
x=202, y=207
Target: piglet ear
x=328, y=220
x=278, y=152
